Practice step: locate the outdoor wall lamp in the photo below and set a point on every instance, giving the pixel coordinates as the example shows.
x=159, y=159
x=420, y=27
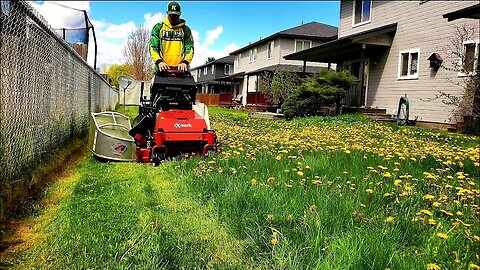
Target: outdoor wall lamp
x=435, y=61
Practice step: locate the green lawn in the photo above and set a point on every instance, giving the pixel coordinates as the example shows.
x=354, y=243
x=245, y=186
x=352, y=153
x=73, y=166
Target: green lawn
x=317, y=193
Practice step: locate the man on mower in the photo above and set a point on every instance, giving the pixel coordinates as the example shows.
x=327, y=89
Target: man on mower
x=171, y=42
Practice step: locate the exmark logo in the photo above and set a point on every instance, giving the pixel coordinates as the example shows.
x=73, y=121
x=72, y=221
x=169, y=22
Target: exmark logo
x=179, y=125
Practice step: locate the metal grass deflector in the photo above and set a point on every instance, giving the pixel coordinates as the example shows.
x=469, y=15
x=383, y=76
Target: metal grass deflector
x=109, y=138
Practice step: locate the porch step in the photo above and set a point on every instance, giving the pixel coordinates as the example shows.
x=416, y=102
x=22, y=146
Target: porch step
x=380, y=116
x=363, y=110
x=372, y=110
x=266, y=115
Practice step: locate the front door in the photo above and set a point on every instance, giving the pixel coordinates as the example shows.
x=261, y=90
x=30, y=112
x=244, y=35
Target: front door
x=357, y=96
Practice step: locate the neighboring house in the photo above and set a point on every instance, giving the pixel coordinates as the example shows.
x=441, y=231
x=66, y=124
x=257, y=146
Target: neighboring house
x=266, y=55
x=392, y=47
x=209, y=76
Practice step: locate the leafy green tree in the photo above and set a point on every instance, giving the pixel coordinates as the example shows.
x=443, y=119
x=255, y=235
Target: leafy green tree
x=115, y=71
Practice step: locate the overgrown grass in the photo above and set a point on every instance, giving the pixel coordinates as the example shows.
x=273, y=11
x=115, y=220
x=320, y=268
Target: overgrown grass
x=313, y=193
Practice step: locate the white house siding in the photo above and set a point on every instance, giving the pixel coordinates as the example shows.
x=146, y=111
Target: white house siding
x=419, y=25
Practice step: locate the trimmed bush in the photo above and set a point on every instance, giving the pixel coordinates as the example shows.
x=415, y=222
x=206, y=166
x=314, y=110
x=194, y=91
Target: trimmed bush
x=326, y=88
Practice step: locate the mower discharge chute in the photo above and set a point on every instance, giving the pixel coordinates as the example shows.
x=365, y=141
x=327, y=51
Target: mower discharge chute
x=170, y=123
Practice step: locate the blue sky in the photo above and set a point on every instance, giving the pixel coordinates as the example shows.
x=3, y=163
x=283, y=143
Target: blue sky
x=219, y=27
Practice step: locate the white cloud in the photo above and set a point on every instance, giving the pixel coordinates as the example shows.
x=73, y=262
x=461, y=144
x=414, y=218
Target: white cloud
x=203, y=50
x=212, y=35
x=117, y=31
x=150, y=20
x=112, y=37
x=59, y=16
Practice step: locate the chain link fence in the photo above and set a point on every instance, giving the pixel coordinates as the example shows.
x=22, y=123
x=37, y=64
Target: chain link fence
x=46, y=96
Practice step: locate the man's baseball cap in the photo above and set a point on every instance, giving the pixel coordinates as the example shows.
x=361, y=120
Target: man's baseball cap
x=174, y=8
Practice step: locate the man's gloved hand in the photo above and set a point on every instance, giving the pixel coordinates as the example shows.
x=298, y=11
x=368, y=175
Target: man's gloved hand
x=163, y=66
x=182, y=67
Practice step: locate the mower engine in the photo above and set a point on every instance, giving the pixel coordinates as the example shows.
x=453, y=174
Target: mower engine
x=170, y=123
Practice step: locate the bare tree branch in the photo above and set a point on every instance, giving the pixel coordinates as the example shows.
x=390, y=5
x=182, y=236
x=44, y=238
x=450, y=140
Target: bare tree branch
x=136, y=53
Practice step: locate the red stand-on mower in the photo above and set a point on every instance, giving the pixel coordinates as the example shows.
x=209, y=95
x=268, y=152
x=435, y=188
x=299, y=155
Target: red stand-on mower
x=170, y=123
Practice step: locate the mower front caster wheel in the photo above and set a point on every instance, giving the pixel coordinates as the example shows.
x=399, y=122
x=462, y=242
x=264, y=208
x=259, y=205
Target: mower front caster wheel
x=157, y=159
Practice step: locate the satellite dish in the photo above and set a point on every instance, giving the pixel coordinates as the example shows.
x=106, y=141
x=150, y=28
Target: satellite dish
x=126, y=82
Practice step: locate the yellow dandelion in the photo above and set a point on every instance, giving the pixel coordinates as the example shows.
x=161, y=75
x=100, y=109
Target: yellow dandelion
x=278, y=157
x=459, y=213
x=253, y=181
x=274, y=241
x=426, y=212
x=389, y=219
x=288, y=185
x=436, y=204
x=300, y=173
x=397, y=183
x=413, y=159
x=442, y=235
x=387, y=175
x=473, y=266
x=271, y=179
x=428, y=197
x=369, y=191
x=432, y=221
x=388, y=194
x=433, y=266
x=446, y=213
x=270, y=217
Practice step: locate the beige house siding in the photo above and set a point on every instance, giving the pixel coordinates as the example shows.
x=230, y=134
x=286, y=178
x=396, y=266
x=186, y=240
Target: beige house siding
x=281, y=47
x=419, y=26
x=287, y=46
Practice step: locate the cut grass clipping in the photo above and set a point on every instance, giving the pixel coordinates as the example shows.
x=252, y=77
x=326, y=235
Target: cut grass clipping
x=317, y=193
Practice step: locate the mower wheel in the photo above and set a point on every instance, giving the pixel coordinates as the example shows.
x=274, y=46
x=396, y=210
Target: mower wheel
x=157, y=158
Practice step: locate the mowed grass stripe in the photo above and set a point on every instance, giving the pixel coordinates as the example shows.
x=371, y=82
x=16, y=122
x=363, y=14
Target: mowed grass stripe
x=124, y=215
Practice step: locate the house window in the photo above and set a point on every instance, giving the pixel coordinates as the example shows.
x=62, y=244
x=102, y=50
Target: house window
x=228, y=69
x=239, y=59
x=213, y=69
x=408, y=64
x=270, y=50
x=253, y=55
x=301, y=45
x=205, y=71
x=470, y=63
x=362, y=10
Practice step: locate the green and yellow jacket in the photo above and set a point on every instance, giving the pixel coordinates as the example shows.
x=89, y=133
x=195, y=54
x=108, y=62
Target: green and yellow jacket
x=171, y=44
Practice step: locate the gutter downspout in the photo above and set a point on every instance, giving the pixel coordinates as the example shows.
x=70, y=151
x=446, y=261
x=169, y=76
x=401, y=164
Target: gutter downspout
x=362, y=75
